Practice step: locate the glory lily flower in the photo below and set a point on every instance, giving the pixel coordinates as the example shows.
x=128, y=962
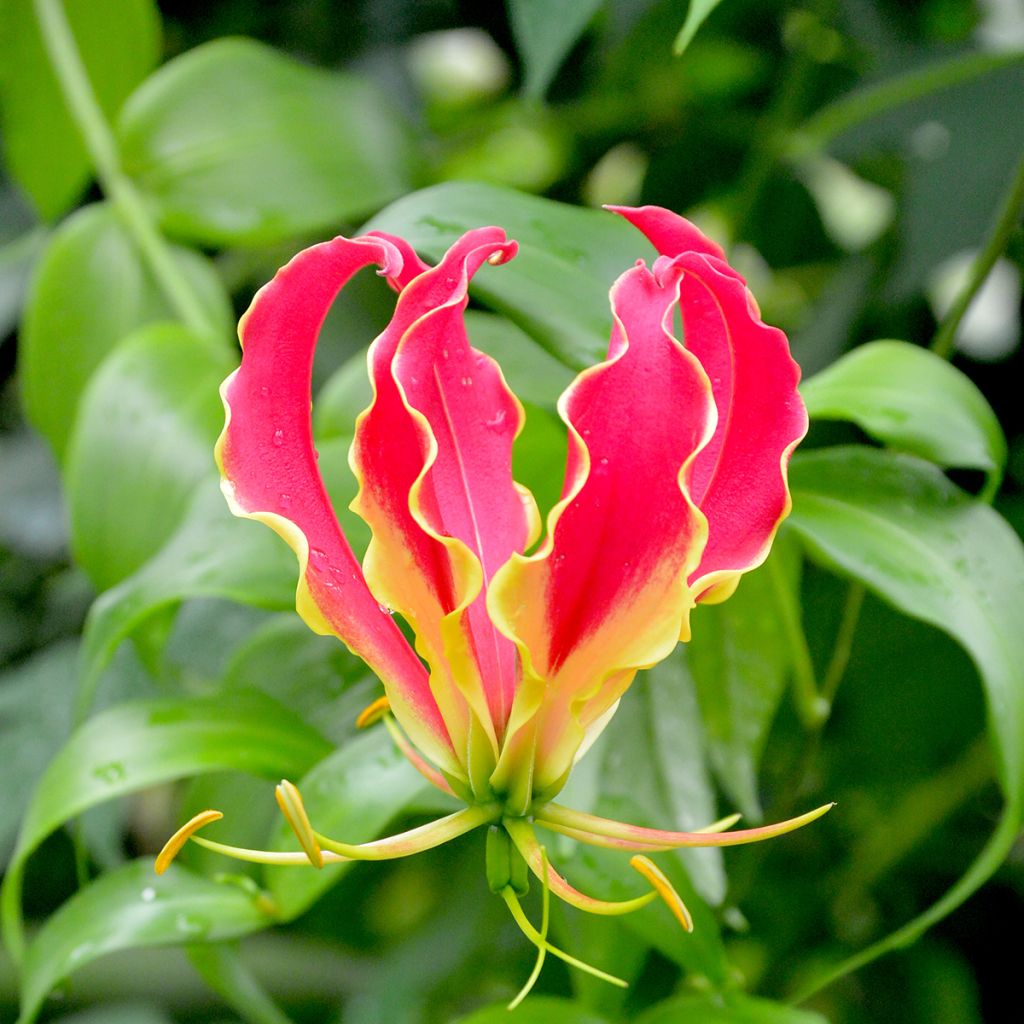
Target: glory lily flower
x=674, y=487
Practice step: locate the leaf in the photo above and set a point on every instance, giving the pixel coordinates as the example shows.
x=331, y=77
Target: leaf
x=532, y=373
x=138, y=744
x=556, y=289
x=35, y=701
x=739, y=661
x=535, y=1010
x=212, y=554
x=900, y=527
x=89, y=291
x=732, y=1008
x=544, y=34
x=238, y=144
x=119, y=41
x=142, y=441
x=220, y=966
x=129, y=908
x=911, y=399
x=660, y=716
x=695, y=16
x=350, y=796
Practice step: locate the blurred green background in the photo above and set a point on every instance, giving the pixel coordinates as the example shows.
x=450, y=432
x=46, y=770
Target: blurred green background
x=853, y=157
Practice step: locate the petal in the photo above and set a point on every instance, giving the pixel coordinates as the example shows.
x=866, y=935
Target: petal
x=607, y=593
x=270, y=473
x=739, y=479
x=669, y=233
x=433, y=454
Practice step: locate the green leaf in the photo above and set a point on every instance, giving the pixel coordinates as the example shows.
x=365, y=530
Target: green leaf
x=899, y=526
x=350, y=796
x=535, y=1010
x=544, y=34
x=316, y=676
x=733, y=1008
x=119, y=41
x=911, y=399
x=129, y=908
x=143, y=439
x=220, y=966
x=739, y=660
x=138, y=744
x=556, y=289
x=212, y=554
x=695, y=17
x=532, y=372
x=239, y=144
x=90, y=290
x=35, y=701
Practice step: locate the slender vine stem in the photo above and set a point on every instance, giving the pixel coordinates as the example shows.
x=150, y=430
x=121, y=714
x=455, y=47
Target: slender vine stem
x=88, y=116
x=1006, y=220
x=843, y=646
x=809, y=704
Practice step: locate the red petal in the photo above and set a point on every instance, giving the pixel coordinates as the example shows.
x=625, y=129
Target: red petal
x=607, y=594
x=739, y=479
x=270, y=472
x=434, y=457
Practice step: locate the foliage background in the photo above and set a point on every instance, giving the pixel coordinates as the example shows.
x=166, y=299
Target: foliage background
x=851, y=218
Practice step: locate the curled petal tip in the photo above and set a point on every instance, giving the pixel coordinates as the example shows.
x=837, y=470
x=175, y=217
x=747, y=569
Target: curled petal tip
x=173, y=845
x=503, y=253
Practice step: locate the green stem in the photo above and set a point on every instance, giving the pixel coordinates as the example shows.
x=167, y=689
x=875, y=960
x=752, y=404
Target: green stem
x=101, y=145
x=810, y=705
x=843, y=647
x=914, y=818
x=984, y=865
x=863, y=104
x=1007, y=219
x=221, y=967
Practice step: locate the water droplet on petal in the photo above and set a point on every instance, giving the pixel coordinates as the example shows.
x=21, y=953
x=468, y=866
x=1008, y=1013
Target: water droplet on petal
x=278, y=438
x=467, y=382
x=497, y=421
x=264, y=391
x=285, y=500
x=385, y=609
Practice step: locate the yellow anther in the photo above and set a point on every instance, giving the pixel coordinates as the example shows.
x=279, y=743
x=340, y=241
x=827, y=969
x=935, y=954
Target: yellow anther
x=373, y=713
x=173, y=845
x=663, y=887
x=294, y=811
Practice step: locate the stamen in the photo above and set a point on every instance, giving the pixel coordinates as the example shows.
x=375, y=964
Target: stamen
x=173, y=845
x=373, y=713
x=278, y=857
x=542, y=948
x=290, y=801
x=527, y=844
x=557, y=818
x=613, y=843
x=416, y=840
x=664, y=888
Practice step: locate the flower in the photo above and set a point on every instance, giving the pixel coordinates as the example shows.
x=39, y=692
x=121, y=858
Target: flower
x=674, y=487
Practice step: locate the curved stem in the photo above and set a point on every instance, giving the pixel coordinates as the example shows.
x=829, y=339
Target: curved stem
x=809, y=703
x=843, y=646
x=101, y=145
x=1006, y=220
x=515, y=908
